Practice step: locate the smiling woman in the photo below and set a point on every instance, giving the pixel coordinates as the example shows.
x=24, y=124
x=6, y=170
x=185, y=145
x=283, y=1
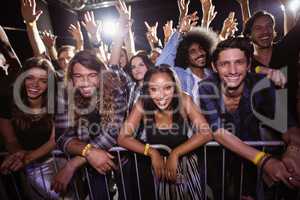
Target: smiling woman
x=34, y=130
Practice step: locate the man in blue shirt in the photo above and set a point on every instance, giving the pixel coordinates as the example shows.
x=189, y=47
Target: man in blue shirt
x=237, y=102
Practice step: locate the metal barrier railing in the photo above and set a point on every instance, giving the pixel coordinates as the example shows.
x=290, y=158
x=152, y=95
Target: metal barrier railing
x=122, y=188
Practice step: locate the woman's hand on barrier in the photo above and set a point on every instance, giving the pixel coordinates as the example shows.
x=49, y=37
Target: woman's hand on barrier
x=157, y=163
x=13, y=162
x=277, y=171
x=171, y=167
x=62, y=179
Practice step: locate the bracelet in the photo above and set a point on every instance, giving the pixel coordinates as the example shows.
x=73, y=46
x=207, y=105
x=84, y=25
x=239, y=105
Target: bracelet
x=31, y=24
x=263, y=163
x=85, y=150
x=146, y=150
x=258, y=157
x=258, y=69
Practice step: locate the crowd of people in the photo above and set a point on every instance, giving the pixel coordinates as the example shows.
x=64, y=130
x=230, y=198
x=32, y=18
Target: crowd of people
x=196, y=86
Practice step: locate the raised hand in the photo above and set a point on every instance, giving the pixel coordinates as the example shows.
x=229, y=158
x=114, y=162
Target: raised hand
x=151, y=33
x=29, y=12
x=90, y=24
x=247, y=1
x=208, y=12
x=49, y=39
x=183, y=7
x=125, y=20
x=188, y=22
x=75, y=31
x=168, y=30
x=229, y=26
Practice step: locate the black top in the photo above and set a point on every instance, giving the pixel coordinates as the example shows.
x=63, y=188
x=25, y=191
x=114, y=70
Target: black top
x=172, y=137
x=34, y=136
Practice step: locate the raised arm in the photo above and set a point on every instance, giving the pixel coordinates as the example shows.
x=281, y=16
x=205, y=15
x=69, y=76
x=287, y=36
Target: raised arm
x=129, y=41
x=209, y=14
x=289, y=16
x=94, y=32
x=30, y=16
x=229, y=27
x=151, y=35
x=168, y=31
x=49, y=41
x=75, y=31
x=244, y=4
x=124, y=24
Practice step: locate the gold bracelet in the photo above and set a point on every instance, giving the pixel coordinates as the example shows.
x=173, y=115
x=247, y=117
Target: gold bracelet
x=85, y=150
x=258, y=157
x=31, y=24
x=146, y=150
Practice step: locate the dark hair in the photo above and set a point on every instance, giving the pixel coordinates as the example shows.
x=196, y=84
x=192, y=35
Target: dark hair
x=234, y=43
x=146, y=60
x=24, y=120
x=205, y=38
x=65, y=48
x=249, y=24
x=86, y=58
x=148, y=102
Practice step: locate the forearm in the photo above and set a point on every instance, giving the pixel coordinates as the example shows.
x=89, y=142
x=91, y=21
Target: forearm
x=52, y=53
x=129, y=44
x=40, y=152
x=292, y=136
x=116, y=51
x=130, y=143
x=76, y=162
x=193, y=143
x=289, y=20
x=35, y=39
x=79, y=45
x=234, y=144
x=245, y=11
x=75, y=146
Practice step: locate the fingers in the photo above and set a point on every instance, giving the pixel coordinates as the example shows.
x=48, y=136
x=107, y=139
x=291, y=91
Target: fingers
x=16, y=165
x=147, y=25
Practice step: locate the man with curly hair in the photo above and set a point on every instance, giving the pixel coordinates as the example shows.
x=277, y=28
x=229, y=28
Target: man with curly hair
x=190, y=52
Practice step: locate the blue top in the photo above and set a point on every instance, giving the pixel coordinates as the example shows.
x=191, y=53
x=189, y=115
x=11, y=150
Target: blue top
x=257, y=106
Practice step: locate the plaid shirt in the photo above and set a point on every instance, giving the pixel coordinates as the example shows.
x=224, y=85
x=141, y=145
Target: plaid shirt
x=90, y=129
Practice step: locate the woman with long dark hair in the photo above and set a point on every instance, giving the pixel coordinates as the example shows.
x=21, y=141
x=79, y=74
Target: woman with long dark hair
x=166, y=114
x=33, y=126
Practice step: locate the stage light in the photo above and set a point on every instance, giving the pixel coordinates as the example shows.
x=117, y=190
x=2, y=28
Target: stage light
x=294, y=5
x=110, y=27
x=282, y=7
